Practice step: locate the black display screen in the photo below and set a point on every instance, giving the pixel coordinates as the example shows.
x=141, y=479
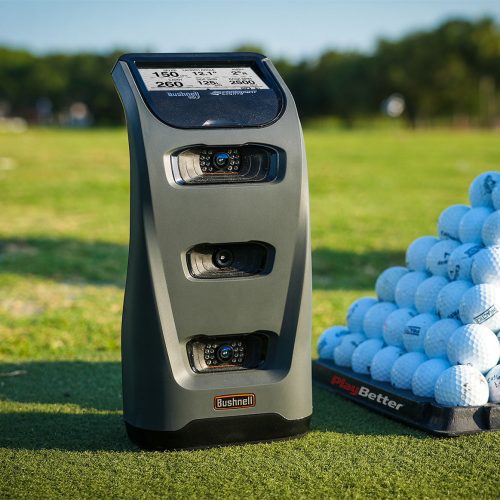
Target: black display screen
x=208, y=90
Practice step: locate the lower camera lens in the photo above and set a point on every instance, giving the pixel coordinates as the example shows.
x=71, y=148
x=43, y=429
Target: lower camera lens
x=225, y=352
x=223, y=257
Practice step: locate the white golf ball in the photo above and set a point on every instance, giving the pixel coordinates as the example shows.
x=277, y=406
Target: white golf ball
x=460, y=261
x=461, y=385
x=474, y=345
x=416, y=330
x=486, y=266
x=495, y=197
x=394, y=325
x=363, y=354
x=438, y=256
x=427, y=294
x=491, y=229
x=329, y=340
x=356, y=313
x=404, y=367
x=481, y=188
x=426, y=375
x=375, y=318
x=342, y=354
x=449, y=221
x=471, y=225
x=438, y=334
x=481, y=304
x=387, y=281
x=493, y=379
x=449, y=298
x=407, y=286
x=417, y=252
x=382, y=363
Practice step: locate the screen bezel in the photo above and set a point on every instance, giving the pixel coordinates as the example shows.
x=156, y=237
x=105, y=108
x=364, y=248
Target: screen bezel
x=235, y=59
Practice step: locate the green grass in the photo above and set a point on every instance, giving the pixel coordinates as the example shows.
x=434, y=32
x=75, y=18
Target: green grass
x=63, y=237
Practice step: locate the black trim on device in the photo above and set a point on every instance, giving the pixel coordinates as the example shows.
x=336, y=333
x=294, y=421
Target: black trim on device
x=220, y=431
x=248, y=110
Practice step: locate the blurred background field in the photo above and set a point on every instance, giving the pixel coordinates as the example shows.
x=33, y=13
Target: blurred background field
x=446, y=74
x=63, y=250
x=401, y=107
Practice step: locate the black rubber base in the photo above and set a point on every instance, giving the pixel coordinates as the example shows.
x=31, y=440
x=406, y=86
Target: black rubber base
x=221, y=431
x=402, y=405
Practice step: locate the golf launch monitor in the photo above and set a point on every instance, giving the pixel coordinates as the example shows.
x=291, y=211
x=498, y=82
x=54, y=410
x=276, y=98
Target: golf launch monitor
x=216, y=325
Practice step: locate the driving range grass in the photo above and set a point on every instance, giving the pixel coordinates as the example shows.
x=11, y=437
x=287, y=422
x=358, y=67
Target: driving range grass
x=63, y=251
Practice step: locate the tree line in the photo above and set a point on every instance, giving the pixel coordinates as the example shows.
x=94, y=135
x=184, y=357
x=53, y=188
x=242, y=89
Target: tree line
x=448, y=73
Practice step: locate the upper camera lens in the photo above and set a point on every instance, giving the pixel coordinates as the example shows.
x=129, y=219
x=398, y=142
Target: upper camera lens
x=221, y=159
x=225, y=352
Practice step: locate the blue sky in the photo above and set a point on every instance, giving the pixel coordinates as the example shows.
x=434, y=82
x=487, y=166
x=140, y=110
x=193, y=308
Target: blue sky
x=289, y=28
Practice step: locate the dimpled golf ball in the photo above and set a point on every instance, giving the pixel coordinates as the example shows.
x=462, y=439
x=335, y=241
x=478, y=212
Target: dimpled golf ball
x=481, y=189
x=493, y=379
x=404, y=367
x=471, y=225
x=491, y=230
x=449, y=298
x=407, y=286
x=495, y=197
x=426, y=375
x=449, y=220
x=474, y=345
x=387, y=281
x=382, y=362
x=356, y=313
x=427, y=294
x=416, y=330
x=329, y=340
x=342, y=354
x=481, y=304
x=461, y=385
x=460, y=261
x=375, y=318
x=438, y=256
x=438, y=334
x=395, y=324
x=416, y=254
x=363, y=354
x=486, y=266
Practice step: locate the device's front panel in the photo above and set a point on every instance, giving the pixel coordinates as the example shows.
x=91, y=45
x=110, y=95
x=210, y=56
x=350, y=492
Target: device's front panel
x=229, y=209
x=228, y=269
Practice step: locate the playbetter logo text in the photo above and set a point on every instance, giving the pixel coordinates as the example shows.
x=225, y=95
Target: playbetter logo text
x=364, y=392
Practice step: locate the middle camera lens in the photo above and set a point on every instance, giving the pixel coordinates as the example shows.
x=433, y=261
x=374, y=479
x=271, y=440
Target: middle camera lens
x=225, y=352
x=223, y=258
x=221, y=159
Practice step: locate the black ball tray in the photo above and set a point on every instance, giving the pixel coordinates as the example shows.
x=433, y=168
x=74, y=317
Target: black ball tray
x=402, y=405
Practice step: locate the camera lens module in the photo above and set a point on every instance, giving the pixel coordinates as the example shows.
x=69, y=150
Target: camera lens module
x=225, y=352
x=221, y=159
x=223, y=258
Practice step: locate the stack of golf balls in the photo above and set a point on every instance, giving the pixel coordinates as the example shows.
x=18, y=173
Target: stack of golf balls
x=434, y=326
